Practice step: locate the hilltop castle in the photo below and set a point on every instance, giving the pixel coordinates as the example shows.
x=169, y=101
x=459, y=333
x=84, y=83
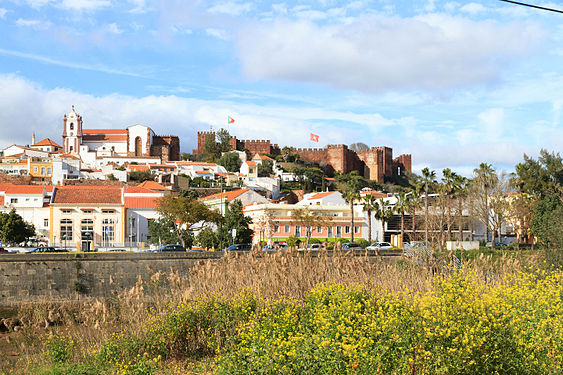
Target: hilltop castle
x=375, y=163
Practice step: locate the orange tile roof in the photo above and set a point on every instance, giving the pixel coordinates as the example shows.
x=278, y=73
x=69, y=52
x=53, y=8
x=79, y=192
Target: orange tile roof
x=26, y=189
x=228, y=195
x=137, y=168
x=5, y=185
x=104, y=134
x=138, y=190
x=88, y=194
x=46, y=142
x=203, y=172
x=153, y=185
x=190, y=163
x=1, y=200
x=376, y=194
x=104, y=131
x=251, y=163
x=141, y=202
x=321, y=195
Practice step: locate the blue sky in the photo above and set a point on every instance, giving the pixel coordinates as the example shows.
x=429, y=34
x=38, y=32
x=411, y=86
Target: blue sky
x=454, y=83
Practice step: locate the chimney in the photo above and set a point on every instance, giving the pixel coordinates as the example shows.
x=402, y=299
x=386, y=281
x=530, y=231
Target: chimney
x=32, y=138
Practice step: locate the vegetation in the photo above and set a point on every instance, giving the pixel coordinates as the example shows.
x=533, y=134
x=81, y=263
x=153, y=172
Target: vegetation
x=265, y=168
x=231, y=161
x=13, y=229
x=141, y=176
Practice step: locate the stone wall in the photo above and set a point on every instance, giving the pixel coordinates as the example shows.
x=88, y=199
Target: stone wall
x=56, y=277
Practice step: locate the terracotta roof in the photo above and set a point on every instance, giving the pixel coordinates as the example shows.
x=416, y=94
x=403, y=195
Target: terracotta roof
x=104, y=134
x=5, y=185
x=26, y=189
x=1, y=200
x=264, y=157
x=141, y=202
x=228, y=195
x=152, y=185
x=138, y=190
x=46, y=142
x=88, y=194
x=251, y=163
x=376, y=194
x=204, y=172
x=190, y=163
x=322, y=195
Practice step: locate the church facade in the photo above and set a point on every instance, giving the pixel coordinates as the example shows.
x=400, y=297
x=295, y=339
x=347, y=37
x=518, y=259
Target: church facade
x=137, y=142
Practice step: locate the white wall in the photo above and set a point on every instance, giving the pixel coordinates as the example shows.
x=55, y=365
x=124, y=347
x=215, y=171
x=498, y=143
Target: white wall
x=139, y=131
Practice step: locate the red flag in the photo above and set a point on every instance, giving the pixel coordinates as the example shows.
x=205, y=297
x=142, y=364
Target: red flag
x=230, y=120
x=314, y=137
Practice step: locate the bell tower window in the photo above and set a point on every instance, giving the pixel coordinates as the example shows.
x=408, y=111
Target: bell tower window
x=71, y=126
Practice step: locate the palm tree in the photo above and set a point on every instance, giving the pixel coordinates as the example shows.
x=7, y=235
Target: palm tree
x=370, y=203
x=428, y=178
x=351, y=195
x=402, y=205
x=414, y=204
x=484, y=178
x=460, y=190
x=383, y=211
x=448, y=180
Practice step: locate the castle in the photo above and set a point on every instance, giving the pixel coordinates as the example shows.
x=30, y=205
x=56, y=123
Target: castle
x=375, y=163
x=137, y=141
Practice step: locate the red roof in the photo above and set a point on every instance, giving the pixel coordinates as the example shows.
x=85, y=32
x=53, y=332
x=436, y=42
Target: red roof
x=88, y=194
x=138, y=190
x=104, y=134
x=1, y=200
x=321, y=195
x=152, y=185
x=203, y=172
x=47, y=142
x=141, y=202
x=26, y=189
x=376, y=194
x=228, y=195
x=251, y=163
x=5, y=185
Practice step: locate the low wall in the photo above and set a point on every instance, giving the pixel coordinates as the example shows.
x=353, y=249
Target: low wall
x=462, y=245
x=58, y=277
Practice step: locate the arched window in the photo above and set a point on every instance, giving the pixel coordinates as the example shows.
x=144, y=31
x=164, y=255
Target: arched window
x=71, y=126
x=138, y=146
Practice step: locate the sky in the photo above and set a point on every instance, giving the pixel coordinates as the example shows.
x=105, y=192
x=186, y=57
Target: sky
x=454, y=83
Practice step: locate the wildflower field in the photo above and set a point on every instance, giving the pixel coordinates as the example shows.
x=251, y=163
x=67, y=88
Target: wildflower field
x=364, y=318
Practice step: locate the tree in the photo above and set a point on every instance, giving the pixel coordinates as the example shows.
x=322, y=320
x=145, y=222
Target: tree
x=184, y=213
x=211, y=151
x=224, y=141
x=448, y=181
x=141, y=176
x=547, y=221
x=231, y=161
x=485, y=178
x=359, y=146
x=309, y=220
x=235, y=219
x=541, y=177
x=460, y=192
x=162, y=231
x=370, y=204
x=383, y=212
x=265, y=168
x=402, y=206
x=13, y=229
x=207, y=238
x=414, y=203
x=350, y=195
x=428, y=178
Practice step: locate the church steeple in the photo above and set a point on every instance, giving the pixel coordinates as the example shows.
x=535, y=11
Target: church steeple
x=72, y=132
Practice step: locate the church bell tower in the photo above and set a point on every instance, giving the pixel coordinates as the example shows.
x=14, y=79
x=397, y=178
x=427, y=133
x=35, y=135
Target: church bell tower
x=72, y=133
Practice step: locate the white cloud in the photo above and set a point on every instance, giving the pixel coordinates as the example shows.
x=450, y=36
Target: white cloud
x=36, y=4
x=3, y=13
x=473, y=8
x=139, y=6
x=217, y=33
x=231, y=8
x=114, y=29
x=376, y=54
x=84, y=5
x=34, y=24
x=181, y=30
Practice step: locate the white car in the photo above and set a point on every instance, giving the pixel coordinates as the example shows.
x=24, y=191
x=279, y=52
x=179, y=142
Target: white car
x=380, y=246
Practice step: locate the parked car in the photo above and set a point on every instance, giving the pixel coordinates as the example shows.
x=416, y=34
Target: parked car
x=497, y=244
x=312, y=246
x=275, y=247
x=196, y=250
x=351, y=246
x=167, y=248
x=47, y=249
x=379, y=246
x=239, y=247
x=2, y=250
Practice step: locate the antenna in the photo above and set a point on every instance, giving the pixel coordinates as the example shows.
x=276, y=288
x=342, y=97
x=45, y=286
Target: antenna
x=532, y=6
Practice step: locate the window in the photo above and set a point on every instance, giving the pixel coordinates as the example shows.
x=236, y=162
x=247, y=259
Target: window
x=108, y=211
x=66, y=229
x=70, y=148
x=338, y=231
x=347, y=229
x=42, y=171
x=34, y=169
x=329, y=234
x=14, y=200
x=108, y=230
x=298, y=230
x=67, y=211
x=133, y=222
x=45, y=223
x=276, y=228
x=287, y=228
x=48, y=171
x=71, y=126
x=356, y=229
x=86, y=210
x=251, y=170
x=319, y=230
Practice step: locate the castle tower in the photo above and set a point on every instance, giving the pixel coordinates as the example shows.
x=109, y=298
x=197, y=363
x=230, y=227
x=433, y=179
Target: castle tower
x=72, y=132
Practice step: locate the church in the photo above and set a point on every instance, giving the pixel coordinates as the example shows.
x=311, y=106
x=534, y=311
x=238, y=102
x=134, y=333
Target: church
x=136, y=143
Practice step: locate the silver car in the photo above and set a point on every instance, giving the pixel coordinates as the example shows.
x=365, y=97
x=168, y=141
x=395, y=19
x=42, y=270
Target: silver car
x=380, y=246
